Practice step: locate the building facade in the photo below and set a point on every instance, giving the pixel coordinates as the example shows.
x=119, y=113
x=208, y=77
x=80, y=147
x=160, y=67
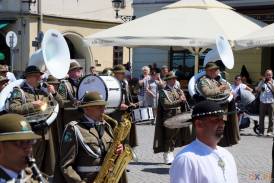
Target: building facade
x=255, y=60
x=75, y=19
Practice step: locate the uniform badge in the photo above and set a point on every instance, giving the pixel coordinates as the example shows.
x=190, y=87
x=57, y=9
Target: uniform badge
x=68, y=137
x=24, y=126
x=16, y=94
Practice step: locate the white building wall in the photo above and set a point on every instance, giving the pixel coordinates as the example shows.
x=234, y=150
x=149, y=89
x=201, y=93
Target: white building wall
x=147, y=56
x=83, y=9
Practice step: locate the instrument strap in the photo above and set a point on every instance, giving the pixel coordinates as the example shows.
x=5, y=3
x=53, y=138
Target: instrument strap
x=166, y=94
x=70, y=89
x=81, y=140
x=267, y=84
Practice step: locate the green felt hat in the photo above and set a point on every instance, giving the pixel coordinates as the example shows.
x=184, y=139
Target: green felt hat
x=15, y=127
x=92, y=99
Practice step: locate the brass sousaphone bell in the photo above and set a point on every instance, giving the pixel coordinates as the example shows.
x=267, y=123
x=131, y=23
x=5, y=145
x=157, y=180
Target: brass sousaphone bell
x=53, y=58
x=222, y=52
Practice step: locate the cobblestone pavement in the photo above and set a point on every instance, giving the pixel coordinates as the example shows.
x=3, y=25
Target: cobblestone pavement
x=252, y=155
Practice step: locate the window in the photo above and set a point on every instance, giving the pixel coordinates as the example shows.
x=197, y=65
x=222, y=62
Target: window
x=117, y=55
x=182, y=62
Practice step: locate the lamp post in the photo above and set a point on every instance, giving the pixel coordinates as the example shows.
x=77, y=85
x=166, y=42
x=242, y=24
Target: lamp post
x=117, y=5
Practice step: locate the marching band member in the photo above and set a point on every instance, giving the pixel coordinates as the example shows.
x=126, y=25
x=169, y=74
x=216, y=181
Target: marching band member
x=211, y=85
x=203, y=161
x=31, y=98
x=69, y=87
x=85, y=143
x=119, y=73
x=170, y=100
x=16, y=141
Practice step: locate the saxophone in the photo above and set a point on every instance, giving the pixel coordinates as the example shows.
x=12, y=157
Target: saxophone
x=114, y=165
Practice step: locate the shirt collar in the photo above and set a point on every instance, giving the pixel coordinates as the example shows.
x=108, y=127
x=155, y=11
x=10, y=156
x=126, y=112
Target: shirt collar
x=92, y=120
x=11, y=173
x=205, y=145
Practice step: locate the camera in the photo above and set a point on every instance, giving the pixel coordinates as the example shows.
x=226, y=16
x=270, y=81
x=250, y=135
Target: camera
x=263, y=88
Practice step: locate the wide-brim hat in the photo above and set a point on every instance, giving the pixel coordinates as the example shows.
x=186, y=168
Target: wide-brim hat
x=211, y=65
x=52, y=80
x=15, y=127
x=32, y=69
x=74, y=65
x=207, y=108
x=92, y=99
x=119, y=69
x=170, y=75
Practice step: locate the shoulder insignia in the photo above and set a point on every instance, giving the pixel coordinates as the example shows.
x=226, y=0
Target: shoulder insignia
x=68, y=136
x=16, y=93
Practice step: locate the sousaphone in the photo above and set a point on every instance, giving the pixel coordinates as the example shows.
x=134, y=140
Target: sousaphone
x=53, y=58
x=222, y=52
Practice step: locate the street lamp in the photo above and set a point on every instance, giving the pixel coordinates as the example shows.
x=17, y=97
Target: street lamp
x=117, y=5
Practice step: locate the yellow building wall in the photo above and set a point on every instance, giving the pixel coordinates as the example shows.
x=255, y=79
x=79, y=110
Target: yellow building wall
x=251, y=58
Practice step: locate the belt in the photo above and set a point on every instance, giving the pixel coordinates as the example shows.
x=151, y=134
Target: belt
x=88, y=169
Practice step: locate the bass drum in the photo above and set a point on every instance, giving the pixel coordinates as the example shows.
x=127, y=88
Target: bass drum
x=108, y=86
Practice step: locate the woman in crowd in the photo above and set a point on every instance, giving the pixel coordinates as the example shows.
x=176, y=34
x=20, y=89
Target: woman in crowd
x=238, y=85
x=143, y=83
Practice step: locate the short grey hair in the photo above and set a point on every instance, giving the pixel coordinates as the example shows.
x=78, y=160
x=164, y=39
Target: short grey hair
x=145, y=68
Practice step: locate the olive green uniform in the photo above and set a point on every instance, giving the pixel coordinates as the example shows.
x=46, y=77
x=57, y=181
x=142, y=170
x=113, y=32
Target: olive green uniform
x=210, y=88
x=79, y=162
x=21, y=103
x=69, y=112
x=117, y=115
x=169, y=105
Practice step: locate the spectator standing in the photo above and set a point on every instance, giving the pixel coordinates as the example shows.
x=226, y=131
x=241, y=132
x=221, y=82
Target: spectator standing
x=164, y=71
x=266, y=90
x=238, y=85
x=203, y=161
x=152, y=92
x=143, y=83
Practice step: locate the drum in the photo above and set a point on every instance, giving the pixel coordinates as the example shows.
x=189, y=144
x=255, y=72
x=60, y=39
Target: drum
x=143, y=114
x=108, y=86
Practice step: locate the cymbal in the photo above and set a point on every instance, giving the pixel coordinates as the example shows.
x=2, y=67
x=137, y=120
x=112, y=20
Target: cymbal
x=179, y=121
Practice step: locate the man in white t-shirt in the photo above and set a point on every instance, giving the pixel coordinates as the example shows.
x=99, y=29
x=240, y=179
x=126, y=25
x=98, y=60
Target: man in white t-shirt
x=203, y=161
x=238, y=85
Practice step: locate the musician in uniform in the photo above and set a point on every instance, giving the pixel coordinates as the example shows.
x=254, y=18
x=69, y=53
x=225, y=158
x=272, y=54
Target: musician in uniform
x=70, y=86
x=213, y=86
x=119, y=73
x=85, y=143
x=171, y=99
x=16, y=141
x=67, y=90
x=31, y=98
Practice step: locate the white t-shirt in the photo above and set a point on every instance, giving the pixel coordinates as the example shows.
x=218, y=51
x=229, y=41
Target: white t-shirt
x=11, y=77
x=199, y=163
x=235, y=89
